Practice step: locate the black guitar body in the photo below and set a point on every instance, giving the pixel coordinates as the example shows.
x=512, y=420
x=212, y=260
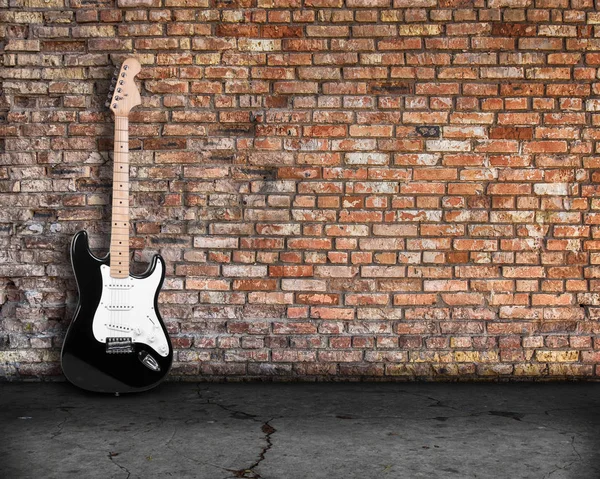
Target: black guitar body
x=134, y=352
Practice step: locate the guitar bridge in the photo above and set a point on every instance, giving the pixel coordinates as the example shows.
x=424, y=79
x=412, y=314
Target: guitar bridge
x=119, y=346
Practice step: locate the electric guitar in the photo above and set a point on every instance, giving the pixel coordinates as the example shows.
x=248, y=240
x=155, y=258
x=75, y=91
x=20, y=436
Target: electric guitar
x=117, y=341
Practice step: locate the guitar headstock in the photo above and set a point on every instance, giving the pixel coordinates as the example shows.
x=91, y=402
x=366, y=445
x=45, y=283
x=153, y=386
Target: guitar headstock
x=124, y=94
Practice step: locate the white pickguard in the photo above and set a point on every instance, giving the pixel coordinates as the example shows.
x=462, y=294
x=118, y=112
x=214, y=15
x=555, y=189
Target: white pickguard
x=126, y=309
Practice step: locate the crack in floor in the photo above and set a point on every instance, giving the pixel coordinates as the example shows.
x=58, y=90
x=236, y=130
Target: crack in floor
x=61, y=424
x=111, y=456
x=267, y=429
x=436, y=402
x=574, y=449
x=566, y=466
x=196, y=461
x=168, y=443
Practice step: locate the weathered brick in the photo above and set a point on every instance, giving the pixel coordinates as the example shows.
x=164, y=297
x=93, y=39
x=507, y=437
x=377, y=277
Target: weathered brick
x=139, y=3
x=15, y=44
x=419, y=30
x=513, y=30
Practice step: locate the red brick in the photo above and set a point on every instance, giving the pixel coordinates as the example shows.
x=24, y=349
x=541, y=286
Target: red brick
x=280, y=31
x=255, y=284
x=291, y=271
x=513, y=30
x=513, y=133
x=317, y=298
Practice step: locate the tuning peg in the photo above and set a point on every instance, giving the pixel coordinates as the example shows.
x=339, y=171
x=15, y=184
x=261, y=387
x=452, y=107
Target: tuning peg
x=107, y=103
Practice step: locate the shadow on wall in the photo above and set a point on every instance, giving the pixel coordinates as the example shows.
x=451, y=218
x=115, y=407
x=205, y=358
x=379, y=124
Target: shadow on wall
x=9, y=299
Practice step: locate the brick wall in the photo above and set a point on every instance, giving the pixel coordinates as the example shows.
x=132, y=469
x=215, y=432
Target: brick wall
x=359, y=188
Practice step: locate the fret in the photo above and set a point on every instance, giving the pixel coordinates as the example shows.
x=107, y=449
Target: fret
x=119, y=245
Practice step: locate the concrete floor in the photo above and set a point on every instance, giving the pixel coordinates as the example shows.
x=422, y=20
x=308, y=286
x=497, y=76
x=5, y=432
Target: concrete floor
x=294, y=431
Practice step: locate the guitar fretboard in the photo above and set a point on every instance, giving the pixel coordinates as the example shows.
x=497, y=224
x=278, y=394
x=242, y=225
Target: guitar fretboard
x=119, y=238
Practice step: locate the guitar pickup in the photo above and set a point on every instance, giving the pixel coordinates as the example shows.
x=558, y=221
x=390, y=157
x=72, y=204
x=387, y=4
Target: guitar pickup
x=119, y=346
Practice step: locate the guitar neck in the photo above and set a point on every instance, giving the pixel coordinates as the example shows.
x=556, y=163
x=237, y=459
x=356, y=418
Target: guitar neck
x=119, y=238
